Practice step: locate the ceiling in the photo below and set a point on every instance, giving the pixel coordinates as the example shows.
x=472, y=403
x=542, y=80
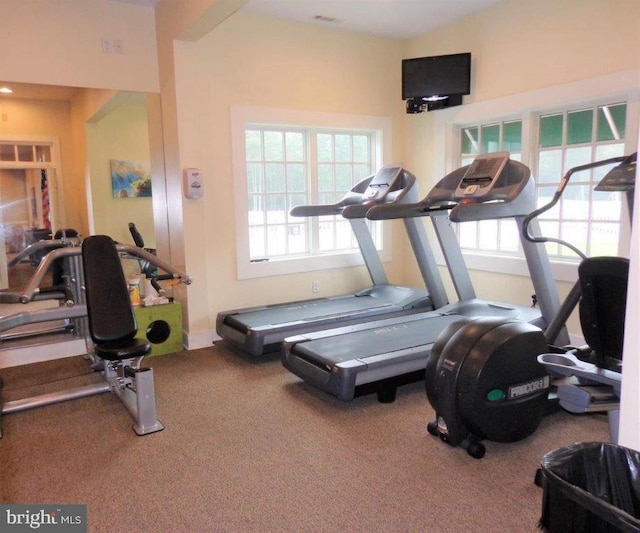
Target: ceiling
x=397, y=19
x=33, y=91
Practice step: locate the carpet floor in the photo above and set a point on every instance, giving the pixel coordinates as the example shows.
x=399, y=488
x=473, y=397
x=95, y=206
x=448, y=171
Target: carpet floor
x=250, y=447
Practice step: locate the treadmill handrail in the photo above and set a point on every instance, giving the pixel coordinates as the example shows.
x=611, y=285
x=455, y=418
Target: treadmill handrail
x=317, y=210
x=352, y=197
x=413, y=210
x=357, y=201
x=506, y=195
x=358, y=210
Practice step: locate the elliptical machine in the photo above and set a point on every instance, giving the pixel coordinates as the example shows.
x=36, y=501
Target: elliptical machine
x=491, y=379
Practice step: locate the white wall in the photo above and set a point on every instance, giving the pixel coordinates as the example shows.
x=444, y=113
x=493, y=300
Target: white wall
x=629, y=434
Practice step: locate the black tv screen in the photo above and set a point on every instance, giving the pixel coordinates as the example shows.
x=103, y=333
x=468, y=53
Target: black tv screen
x=436, y=76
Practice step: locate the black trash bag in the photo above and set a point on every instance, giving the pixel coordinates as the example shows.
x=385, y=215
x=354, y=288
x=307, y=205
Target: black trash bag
x=591, y=487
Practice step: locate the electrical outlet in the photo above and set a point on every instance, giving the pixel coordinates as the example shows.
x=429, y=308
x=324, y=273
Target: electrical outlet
x=107, y=45
x=315, y=286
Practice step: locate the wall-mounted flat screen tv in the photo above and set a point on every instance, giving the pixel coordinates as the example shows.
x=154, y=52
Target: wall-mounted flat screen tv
x=445, y=75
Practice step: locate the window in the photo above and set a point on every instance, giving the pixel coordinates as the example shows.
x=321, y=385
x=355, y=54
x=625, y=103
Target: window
x=283, y=159
x=25, y=152
x=288, y=167
x=276, y=170
x=588, y=219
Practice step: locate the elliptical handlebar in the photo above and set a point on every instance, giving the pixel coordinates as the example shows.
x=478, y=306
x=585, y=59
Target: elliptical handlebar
x=557, y=195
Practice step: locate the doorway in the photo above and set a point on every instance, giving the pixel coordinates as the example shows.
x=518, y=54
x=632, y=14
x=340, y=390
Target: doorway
x=29, y=197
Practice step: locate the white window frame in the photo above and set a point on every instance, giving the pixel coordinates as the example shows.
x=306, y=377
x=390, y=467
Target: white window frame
x=241, y=117
x=527, y=107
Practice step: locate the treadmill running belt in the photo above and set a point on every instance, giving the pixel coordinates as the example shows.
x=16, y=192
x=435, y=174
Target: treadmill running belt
x=386, y=339
x=313, y=310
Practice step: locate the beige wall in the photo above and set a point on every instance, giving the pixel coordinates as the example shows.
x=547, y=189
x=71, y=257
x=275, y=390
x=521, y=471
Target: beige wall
x=255, y=61
x=42, y=118
x=13, y=194
x=60, y=43
x=521, y=46
x=518, y=47
x=67, y=122
x=123, y=135
x=258, y=61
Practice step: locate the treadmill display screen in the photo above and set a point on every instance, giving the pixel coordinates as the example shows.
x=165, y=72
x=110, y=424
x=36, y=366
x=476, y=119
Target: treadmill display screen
x=385, y=175
x=482, y=175
x=483, y=170
x=381, y=183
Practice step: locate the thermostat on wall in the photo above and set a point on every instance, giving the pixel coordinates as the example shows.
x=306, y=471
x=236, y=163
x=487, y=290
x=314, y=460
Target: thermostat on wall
x=192, y=183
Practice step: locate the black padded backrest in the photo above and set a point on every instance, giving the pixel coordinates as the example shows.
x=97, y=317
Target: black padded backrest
x=111, y=317
x=65, y=233
x=603, y=282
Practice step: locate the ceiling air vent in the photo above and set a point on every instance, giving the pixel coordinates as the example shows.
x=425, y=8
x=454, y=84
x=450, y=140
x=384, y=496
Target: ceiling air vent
x=322, y=18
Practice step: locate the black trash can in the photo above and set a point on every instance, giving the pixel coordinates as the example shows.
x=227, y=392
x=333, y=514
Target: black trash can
x=591, y=487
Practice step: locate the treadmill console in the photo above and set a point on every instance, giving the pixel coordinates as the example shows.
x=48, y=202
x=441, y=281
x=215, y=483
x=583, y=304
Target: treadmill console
x=382, y=182
x=482, y=175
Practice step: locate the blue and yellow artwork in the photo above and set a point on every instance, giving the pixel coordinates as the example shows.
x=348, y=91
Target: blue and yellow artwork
x=130, y=179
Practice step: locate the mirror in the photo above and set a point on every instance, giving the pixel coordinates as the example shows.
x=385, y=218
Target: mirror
x=80, y=159
x=119, y=189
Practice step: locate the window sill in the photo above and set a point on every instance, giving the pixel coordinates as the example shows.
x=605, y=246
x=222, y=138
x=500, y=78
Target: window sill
x=517, y=266
x=281, y=267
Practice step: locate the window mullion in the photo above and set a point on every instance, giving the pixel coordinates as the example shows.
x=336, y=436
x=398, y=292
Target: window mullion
x=312, y=193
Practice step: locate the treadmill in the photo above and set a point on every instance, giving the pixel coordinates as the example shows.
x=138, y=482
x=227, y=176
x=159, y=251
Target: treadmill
x=381, y=355
x=261, y=330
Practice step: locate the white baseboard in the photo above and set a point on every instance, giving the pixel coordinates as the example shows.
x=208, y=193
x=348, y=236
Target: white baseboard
x=41, y=352
x=200, y=339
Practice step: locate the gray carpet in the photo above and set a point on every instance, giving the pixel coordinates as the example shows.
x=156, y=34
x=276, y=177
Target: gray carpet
x=249, y=447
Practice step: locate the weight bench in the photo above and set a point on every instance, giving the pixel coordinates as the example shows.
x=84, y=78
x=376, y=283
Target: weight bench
x=117, y=353
x=112, y=347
